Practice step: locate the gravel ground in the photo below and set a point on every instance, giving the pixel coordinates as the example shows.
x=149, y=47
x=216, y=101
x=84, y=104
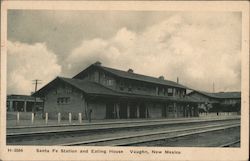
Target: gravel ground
x=41, y=122
x=210, y=139
x=108, y=123
x=105, y=134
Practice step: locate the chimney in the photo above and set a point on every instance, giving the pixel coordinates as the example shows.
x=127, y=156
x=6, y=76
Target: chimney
x=177, y=80
x=161, y=77
x=130, y=70
x=98, y=63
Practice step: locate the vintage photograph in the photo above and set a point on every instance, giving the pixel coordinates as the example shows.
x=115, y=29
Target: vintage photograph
x=123, y=78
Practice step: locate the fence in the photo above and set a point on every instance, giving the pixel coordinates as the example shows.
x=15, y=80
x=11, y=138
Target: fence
x=24, y=117
x=218, y=114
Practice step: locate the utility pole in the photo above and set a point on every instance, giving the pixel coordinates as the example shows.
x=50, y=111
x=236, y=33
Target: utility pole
x=36, y=82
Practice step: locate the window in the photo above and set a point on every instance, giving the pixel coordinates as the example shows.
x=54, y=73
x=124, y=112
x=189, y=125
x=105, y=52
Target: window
x=170, y=109
x=157, y=90
x=122, y=85
x=63, y=100
x=110, y=82
x=130, y=88
x=170, y=91
x=68, y=90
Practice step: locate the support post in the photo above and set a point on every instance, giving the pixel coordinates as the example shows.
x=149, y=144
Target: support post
x=187, y=110
x=80, y=117
x=70, y=118
x=59, y=118
x=137, y=111
x=11, y=106
x=128, y=111
x=175, y=110
x=118, y=111
x=17, y=118
x=25, y=106
x=46, y=118
x=32, y=118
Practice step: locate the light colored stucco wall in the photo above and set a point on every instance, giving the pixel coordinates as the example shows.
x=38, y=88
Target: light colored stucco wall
x=76, y=104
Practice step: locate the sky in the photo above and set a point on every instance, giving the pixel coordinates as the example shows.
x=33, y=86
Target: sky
x=201, y=48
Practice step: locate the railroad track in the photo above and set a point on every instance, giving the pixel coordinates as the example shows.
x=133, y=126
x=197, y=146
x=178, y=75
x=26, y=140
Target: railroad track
x=136, y=136
x=230, y=144
x=103, y=126
x=153, y=136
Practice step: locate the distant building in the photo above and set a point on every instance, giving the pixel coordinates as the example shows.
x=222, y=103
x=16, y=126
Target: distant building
x=106, y=93
x=218, y=102
x=23, y=103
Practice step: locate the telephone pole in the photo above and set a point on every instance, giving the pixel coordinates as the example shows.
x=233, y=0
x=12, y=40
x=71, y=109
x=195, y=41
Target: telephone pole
x=36, y=82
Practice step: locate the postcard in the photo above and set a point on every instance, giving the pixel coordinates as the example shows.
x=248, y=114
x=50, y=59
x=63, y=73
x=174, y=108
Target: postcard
x=124, y=80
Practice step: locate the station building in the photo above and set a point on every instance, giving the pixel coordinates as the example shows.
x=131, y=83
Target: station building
x=218, y=102
x=107, y=93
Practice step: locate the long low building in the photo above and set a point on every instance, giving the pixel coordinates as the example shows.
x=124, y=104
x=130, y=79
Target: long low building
x=24, y=103
x=105, y=93
x=218, y=102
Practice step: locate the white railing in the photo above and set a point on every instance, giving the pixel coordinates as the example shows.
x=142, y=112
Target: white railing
x=31, y=118
x=217, y=114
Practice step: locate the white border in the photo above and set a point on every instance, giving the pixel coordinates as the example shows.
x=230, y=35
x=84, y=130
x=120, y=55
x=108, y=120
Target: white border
x=186, y=153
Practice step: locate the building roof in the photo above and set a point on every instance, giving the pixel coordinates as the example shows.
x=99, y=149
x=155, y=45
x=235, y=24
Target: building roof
x=134, y=76
x=222, y=95
x=94, y=89
x=22, y=97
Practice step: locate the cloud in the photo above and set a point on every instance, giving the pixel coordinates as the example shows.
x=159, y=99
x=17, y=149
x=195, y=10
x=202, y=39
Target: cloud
x=26, y=62
x=198, y=48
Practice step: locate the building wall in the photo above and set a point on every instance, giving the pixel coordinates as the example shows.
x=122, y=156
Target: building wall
x=179, y=110
x=75, y=105
x=78, y=103
x=139, y=87
x=131, y=86
x=202, y=97
x=98, y=110
x=155, y=110
x=230, y=101
x=101, y=77
x=170, y=110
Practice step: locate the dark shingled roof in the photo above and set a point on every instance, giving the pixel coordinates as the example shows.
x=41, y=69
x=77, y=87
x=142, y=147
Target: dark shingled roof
x=223, y=95
x=20, y=96
x=140, y=77
x=83, y=85
x=23, y=97
x=88, y=86
x=135, y=76
x=93, y=88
